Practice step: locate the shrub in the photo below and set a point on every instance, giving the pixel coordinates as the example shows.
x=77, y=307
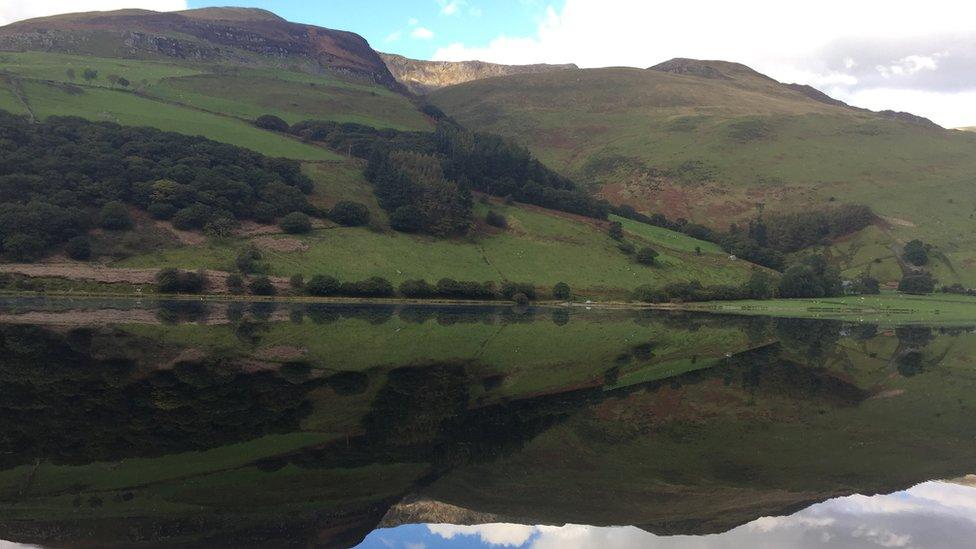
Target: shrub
x=626, y=248
x=648, y=294
x=161, y=210
x=114, y=217
x=916, y=253
x=171, y=281
x=520, y=298
x=616, y=230
x=235, y=283
x=168, y=281
x=406, y=219
x=496, y=219
x=647, y=256
x=192, y=218
x=371, y=287
x=247, y=260
x=78, y=248
x=917, y=284
x=322, y=286
x=509, y=289
x=262, y=286
x=295, y=223
x=349, y=214
x=562, y=291
x=866, y=285
x=418, y=289
x=297, y=282
x=271, y=122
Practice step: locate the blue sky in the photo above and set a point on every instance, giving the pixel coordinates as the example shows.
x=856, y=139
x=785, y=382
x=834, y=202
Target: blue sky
x=392, y=25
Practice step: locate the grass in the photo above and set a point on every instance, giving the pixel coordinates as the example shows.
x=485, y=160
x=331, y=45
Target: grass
x=538, y=247
x=929, y=309
x=623, y=128
x=130, y=109
x=249, y=95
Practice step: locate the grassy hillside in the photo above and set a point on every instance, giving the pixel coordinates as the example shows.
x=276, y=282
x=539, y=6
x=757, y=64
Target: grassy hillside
x=710, y=148
x=539, y=246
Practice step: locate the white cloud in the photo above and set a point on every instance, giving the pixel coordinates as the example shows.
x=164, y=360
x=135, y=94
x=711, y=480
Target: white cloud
x=421, y=33
x=494, y=534
x=451, y=7
x=16, y=10
x=393, y=37
x=778, y=38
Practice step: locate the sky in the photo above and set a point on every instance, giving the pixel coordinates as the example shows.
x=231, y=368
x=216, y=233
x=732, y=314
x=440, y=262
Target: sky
x=879, y=54
x=931, y=515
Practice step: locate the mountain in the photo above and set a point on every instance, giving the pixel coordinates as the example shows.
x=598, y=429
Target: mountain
x=714, y=142
x=423, y=77
x=213, y=73
x=232, y=35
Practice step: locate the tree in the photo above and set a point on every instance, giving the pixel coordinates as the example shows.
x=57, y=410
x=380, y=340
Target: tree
x=866, y=285
x=78, y=248
x=616, y=230
x=406, y=219
x=647, y=256
x=262, y=285
x=89, y=75
x=271, y=122
x=113, y=79
x=295, y=223
x=349, y=214
x=800, y=281
x=916, y=253
x=322, y=286
x=562, y=291
x=917, y=284
x=168, y=281
x=70, y=73
x=114, y=217
x=235, y=283
x=418, y=289
x=297, y=282
x=496, y=219
x=759, y=285
x=124, y=82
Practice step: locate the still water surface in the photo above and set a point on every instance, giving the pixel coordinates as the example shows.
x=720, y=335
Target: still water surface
x=134, y=424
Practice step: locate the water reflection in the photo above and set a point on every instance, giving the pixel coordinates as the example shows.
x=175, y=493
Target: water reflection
x=261, y=424
x=930, y=515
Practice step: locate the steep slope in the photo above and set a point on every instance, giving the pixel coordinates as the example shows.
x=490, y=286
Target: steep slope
x=709, y=141
x=235, y=35
x=423, y=77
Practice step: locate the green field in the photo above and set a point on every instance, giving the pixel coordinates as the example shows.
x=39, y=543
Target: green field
x=127, y=108
x=537, y=247
x=888, y=307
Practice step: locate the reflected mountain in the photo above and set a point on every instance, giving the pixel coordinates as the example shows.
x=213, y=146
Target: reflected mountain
x=262, y=424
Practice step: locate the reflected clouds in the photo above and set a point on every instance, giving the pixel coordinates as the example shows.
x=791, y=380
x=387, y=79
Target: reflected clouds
x=929, y=515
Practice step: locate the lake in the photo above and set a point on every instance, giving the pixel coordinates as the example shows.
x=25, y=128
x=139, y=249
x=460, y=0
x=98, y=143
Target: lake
x=223, y=424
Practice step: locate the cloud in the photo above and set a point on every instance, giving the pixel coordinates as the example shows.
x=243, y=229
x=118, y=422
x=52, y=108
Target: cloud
x=421, y=33
x=451, y=7
x=495, y=534
x=837, y=44
x=16, y=10
x=393, y=37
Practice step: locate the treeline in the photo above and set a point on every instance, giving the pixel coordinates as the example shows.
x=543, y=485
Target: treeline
x=58, y=176
x=809, y=277
x=768, y=238
x=424, y=180
x=175, y=281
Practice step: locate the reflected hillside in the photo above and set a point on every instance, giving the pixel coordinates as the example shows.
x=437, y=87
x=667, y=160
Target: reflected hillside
x=260, y=424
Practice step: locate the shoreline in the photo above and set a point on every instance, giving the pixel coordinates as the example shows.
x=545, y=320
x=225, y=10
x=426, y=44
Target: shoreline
x=934, y=307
